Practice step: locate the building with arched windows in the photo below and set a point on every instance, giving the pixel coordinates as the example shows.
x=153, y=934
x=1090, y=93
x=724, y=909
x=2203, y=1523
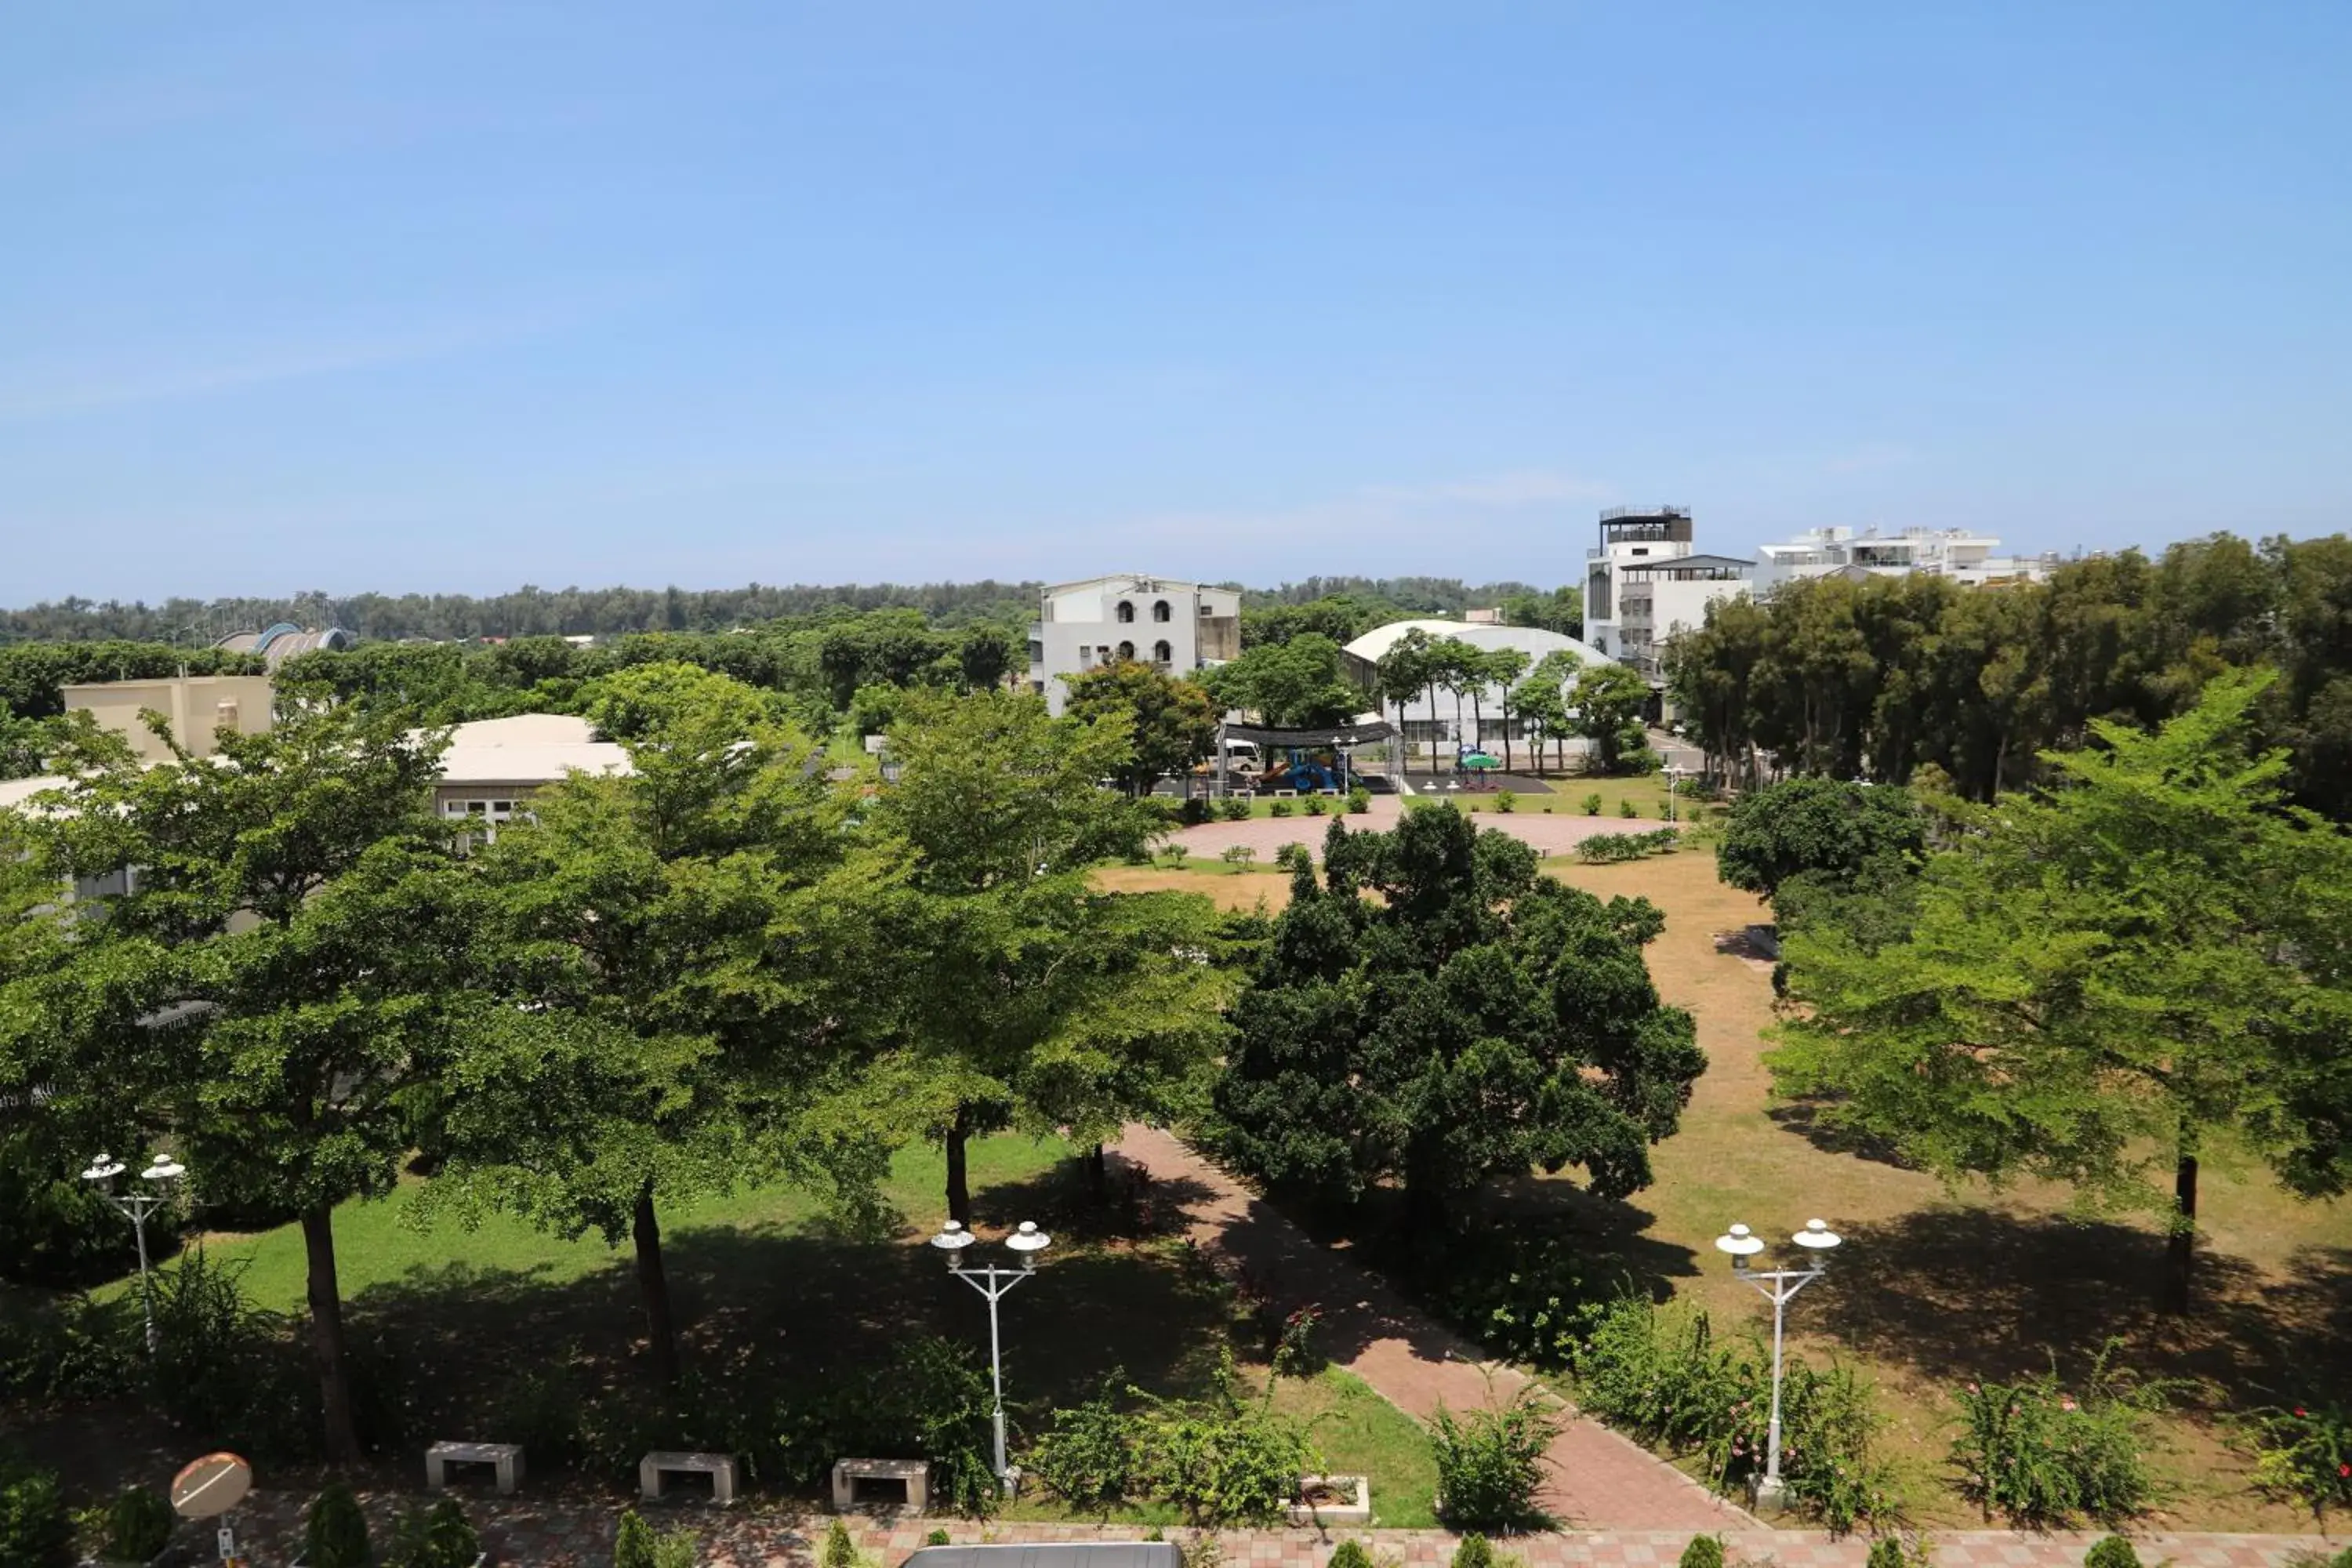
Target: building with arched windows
x=1175, y=627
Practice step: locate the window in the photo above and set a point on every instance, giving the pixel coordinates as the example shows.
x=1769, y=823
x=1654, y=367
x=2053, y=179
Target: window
x=1161, y=652
x=1126, y=649
x=1206, y=610
x=1126, y=612
x=1159, y=611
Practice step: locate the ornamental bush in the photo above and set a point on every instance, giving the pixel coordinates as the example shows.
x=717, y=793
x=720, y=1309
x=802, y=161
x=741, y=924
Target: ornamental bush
x=1704, y=1552
x=336, y=1533
x=840, y=1552
x=1475, y=1551
x=1350, y=1554
x=36, y=1530
x=2041, y=1455
x=1490, y=1464
x=1359, y=800
x=1233, y=808
x=139, y=1525
x=1505, y=801
x=2305, y=1454
x=1279, y=808
x=1627, y=808
x=2111, y=1551
x=1084, y=1457
x=1591, y=804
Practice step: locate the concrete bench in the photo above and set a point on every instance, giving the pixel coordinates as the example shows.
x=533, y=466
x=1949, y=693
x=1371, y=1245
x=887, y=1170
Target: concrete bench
x=720, y=1468
x=505, y=1457
x=914, y=1475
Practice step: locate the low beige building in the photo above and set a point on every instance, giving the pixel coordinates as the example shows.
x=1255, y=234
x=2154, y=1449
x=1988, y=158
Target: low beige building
x=194, y=706
x=493, y=765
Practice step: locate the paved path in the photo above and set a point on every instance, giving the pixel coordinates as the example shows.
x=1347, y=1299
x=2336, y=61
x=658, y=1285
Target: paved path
x=1598, y=1480
x=1555, y=835
x=576, y=1531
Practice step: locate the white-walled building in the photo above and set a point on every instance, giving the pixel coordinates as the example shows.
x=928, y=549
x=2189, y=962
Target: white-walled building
x=1959, y=553
x=1646, y=580
x=1177, y=627
x=1428, y=722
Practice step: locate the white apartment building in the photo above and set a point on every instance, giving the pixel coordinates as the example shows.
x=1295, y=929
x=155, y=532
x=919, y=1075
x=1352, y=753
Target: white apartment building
x=1958, y=553
x=1646, y=580
x=1176, y=627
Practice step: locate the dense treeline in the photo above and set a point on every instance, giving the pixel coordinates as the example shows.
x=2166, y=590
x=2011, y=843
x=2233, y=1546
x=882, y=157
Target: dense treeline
x=1882, y=677
x=527, y=612
x=612, y=612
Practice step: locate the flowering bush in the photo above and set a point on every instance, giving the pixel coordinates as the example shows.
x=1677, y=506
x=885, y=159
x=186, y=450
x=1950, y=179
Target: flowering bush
x=2305, y=1454
x=2040, y=1456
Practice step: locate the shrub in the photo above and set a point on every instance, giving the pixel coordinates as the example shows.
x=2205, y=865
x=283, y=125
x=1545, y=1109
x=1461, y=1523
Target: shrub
x=1886, y=1551
x=840, y=1552
x=1296, y=1353
x=224, y=1368
x=1505, y=801
x=36, y=1530
x=1490, y=1464
x=936, y=1538
x=1520, y=1292
x=931, y=1400
x=676, y=1549
x=1350, y=1554
x=1314, y=806
x=1084, y=1457
x=139, y=1525
x=2111, y=1551
x=1219, y=1460
x=2040, y=1456
x=1706, y=1551
x=336, y=1533
x=633, y=1542
x=1591, y=804
x=1233, y=808
x=1279, y=808
x=1238, y=855
x=1658, y=1373
x=1475, y=1551
x=1627, y=808
x=1194, y=811
x=438, y=1537
x=1359, y=800
x=2305, y=1454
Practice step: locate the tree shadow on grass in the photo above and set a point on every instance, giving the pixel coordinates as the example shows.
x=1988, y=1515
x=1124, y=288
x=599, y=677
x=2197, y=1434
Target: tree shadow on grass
x=1960, y=1293
x=1804, y=1119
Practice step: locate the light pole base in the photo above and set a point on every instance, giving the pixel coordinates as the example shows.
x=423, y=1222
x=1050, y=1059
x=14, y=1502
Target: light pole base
x=1768, y=1494
x=1012, y=1481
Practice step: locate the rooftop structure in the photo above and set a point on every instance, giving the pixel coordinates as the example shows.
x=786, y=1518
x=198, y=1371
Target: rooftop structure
x=283, y=641
x=1959, y=553
x=1646, y=580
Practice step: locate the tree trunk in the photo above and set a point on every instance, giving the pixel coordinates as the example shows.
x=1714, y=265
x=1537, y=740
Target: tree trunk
x=1097, y=1174
x=959, y=1186
x=327, y=1335
x=2179, y=1247
x=653, y=1286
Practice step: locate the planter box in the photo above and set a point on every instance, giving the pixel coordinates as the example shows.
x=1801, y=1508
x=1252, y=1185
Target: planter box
x=1353, y=1501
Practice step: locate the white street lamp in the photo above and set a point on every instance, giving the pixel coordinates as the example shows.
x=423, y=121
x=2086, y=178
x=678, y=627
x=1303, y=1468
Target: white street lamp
x=993, y=1281
x=136, y=1206
x=1673, y=773
x=1781, y=1285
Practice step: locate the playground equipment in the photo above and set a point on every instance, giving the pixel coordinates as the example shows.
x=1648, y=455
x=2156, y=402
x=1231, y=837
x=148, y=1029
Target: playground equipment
x=1306, y=769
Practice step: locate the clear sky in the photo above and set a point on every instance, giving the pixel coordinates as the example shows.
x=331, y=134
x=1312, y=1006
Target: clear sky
x=421, y=295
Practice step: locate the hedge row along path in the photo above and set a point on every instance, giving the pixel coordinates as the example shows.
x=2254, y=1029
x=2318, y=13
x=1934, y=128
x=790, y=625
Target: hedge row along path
x=1599, y=1480
x=570, y=1532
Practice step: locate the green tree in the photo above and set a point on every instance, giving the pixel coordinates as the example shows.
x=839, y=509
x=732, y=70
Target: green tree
x=1608, y=700
x=294, y=965
x=2103, y=981
x=1405, y=672
x=1171, y=723
x=1561, y=611
x=1476, y=1020
x=1299, y=684
x=1819, y=826
x=690, y=942
x=1024, y=997
x=1505, y=666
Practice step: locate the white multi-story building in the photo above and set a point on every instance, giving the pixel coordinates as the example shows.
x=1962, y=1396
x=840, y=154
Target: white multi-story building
x=1959, y=553
x=1646, y=581
x=1176, y=627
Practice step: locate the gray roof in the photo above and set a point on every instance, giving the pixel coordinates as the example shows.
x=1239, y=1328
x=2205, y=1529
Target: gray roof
x=1669, y=563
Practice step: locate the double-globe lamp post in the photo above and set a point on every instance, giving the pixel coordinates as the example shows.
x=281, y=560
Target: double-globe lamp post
x=1780, y=1286
x=136, y=1205
x=992, y=1280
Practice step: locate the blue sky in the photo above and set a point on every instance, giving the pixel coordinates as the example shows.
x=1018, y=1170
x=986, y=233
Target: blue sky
x=460, y=296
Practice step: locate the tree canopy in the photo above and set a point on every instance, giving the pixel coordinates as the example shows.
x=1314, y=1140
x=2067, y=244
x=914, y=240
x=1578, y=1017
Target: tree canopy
x=1826, y=827
x=1474, y=1020
x=1171, y=724
x=2150, y=961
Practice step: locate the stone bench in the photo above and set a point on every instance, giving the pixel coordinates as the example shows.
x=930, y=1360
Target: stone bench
x=915, y=1474
x=720, y=1468
x=505, y=1457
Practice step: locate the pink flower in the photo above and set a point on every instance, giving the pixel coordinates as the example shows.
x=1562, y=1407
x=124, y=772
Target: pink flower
x=1972, y=1388
x=2299, y=1410
x=2066, y=1405
x=2344, y=1469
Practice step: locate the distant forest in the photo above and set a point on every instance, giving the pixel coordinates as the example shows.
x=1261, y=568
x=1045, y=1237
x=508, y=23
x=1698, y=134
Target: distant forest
x=614, y=612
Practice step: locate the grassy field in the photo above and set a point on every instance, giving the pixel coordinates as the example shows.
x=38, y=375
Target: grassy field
x=1934, y=1287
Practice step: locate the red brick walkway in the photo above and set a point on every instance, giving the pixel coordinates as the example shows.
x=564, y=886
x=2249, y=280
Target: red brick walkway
x=1599, y=1480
